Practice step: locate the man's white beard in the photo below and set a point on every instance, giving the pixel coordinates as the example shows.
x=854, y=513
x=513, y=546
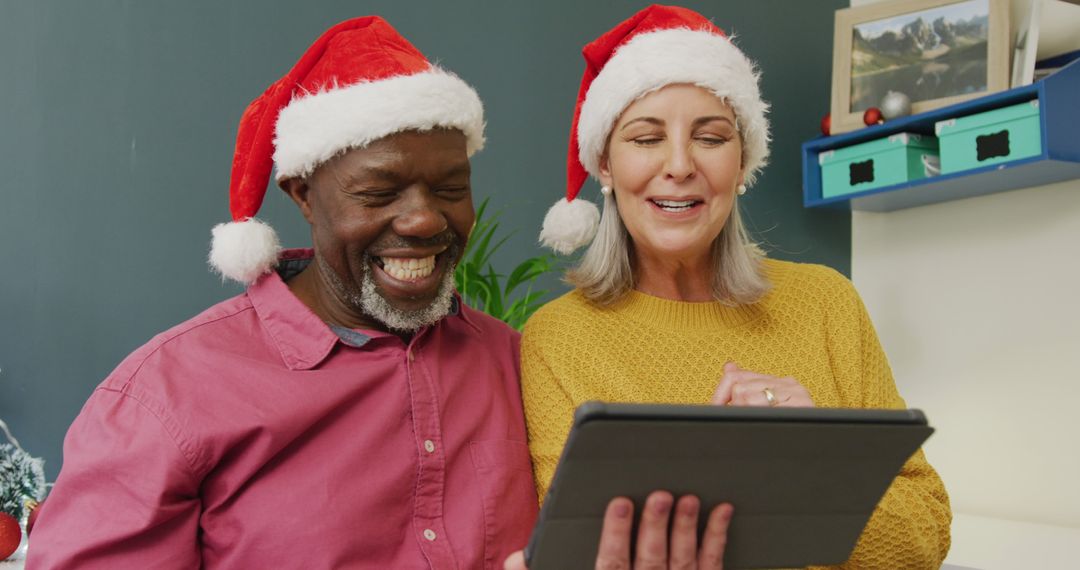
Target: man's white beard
x=374, y=305
x=368, y=300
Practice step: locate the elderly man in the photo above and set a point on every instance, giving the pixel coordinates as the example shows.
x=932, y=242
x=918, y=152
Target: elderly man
x=347, y=410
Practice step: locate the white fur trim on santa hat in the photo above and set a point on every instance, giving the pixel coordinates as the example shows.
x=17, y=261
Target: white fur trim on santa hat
x=315, y=127
x=569, y=225
x=242, y=251
x=653, y=60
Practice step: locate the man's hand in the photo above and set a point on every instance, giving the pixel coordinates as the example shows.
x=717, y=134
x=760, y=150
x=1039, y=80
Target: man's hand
x=741, y=387
x=655, y=549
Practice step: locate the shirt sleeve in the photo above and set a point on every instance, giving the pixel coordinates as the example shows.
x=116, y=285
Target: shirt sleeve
x=910, y=526
x=126, y=496
x=549, y=410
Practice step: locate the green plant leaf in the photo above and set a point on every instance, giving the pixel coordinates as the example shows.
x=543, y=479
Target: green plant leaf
x=527, y=271
x=523, y=308
x=484, y=289
x=494, y=306
x=481, y=238
x=483, y=208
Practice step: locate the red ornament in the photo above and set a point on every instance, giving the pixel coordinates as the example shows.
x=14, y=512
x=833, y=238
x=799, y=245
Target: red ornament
x=10, y=535
x=826, y=124
x=872, y=116
x=35, y=510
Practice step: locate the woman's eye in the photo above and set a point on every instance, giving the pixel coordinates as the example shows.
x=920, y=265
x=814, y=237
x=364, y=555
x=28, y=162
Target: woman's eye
x=647, y=141
x=710, y=140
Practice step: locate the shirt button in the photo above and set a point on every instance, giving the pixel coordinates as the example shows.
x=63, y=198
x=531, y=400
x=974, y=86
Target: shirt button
x=429, y=445
x=409, y=354
x=429, y=534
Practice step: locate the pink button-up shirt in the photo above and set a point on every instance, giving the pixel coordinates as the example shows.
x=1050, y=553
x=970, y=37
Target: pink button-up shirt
x=253, y=436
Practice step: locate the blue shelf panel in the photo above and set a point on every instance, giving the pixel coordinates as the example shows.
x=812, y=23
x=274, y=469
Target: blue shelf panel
x=1059, y=104
x=1020, y=174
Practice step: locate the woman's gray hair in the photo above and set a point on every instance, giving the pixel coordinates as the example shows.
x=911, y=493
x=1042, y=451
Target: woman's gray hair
x=605, y=273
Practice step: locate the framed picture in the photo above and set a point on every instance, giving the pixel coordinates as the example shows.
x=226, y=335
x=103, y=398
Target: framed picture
x=1048, y=30
x=937, y=52
x=1026, y=46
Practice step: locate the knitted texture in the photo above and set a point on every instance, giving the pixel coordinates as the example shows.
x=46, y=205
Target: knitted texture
x=812, y=326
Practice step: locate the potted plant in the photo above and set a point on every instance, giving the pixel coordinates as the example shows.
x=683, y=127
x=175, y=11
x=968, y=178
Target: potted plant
x=510, y=298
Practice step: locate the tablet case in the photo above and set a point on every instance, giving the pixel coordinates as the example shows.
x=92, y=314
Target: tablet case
x=804, y=481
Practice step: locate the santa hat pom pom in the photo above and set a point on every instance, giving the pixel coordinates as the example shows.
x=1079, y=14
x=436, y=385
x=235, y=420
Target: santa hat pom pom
x=569, y=225
x=242, y=251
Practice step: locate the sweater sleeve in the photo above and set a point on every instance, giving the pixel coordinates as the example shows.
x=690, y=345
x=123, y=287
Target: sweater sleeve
x=549, y=410
x=910, y=526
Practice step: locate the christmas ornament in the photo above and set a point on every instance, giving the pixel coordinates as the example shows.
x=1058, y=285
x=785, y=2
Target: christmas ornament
x=895, y=104
x=826, y=124
x=872, y=117
x=35, y=509
x=10, y=535
x=22, y=476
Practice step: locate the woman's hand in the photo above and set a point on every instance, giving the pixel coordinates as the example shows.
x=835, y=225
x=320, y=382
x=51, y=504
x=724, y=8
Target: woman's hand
x=741, y=387
x=655, y=549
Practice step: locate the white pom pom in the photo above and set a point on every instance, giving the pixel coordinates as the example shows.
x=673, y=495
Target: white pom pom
x=569, y=225
x=242, y=251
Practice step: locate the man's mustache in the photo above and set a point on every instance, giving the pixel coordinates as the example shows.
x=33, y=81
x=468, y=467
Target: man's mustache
x=446, y=238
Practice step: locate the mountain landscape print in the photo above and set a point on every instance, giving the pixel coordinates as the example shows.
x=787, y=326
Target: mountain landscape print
x=934, y=53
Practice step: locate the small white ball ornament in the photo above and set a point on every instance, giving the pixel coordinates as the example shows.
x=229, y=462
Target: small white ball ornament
x=895, y=104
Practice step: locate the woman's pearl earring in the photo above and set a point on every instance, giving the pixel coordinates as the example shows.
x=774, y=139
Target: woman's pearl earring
x=605, y=190
x=741, y=189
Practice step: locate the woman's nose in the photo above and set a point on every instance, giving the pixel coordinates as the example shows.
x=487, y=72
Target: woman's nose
x=679, y=164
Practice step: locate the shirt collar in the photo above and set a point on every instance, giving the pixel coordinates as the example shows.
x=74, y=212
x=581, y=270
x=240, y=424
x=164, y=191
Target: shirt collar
x=301, y=337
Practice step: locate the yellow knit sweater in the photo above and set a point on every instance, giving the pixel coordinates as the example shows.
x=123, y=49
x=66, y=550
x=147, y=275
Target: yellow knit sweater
x=812, y=326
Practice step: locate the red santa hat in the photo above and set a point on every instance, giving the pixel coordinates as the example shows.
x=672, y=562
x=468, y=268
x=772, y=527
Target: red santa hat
x=359, y=82
x=658, y=46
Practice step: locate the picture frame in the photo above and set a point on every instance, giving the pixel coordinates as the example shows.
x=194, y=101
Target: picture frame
x=1026, y=45
x=937, y=52
x=1048, y=30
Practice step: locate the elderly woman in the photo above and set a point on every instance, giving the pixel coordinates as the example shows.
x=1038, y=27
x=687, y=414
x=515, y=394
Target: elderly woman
x=673, y=302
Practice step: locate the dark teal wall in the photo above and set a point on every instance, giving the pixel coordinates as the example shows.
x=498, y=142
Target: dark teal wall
x=117, y=121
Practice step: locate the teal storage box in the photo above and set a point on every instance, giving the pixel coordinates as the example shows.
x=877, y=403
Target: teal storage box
x=900, y=158
x=1002, y=135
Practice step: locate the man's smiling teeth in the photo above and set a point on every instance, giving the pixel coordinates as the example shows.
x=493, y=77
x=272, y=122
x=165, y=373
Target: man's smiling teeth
x=675, y=205
x=408, y=268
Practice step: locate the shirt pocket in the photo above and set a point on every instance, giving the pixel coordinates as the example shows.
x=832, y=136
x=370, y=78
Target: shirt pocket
x=504, y=471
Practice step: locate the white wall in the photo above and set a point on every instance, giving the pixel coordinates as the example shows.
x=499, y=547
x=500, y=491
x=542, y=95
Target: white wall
x=977, y=303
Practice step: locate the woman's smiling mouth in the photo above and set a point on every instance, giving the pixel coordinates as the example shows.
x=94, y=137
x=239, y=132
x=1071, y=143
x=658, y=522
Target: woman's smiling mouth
x=675, y=205
x=670, y=206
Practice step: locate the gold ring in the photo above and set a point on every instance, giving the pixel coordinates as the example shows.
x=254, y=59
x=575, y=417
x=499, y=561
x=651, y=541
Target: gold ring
x=770, y=396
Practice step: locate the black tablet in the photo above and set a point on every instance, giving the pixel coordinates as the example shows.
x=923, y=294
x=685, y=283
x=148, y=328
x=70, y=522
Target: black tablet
x=804, y=481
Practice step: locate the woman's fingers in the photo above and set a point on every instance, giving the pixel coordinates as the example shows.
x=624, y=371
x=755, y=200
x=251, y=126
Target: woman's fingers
x=785, y=391
x=722, y=394
x=752, y=392
x=714, y=541
x=740, y=387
